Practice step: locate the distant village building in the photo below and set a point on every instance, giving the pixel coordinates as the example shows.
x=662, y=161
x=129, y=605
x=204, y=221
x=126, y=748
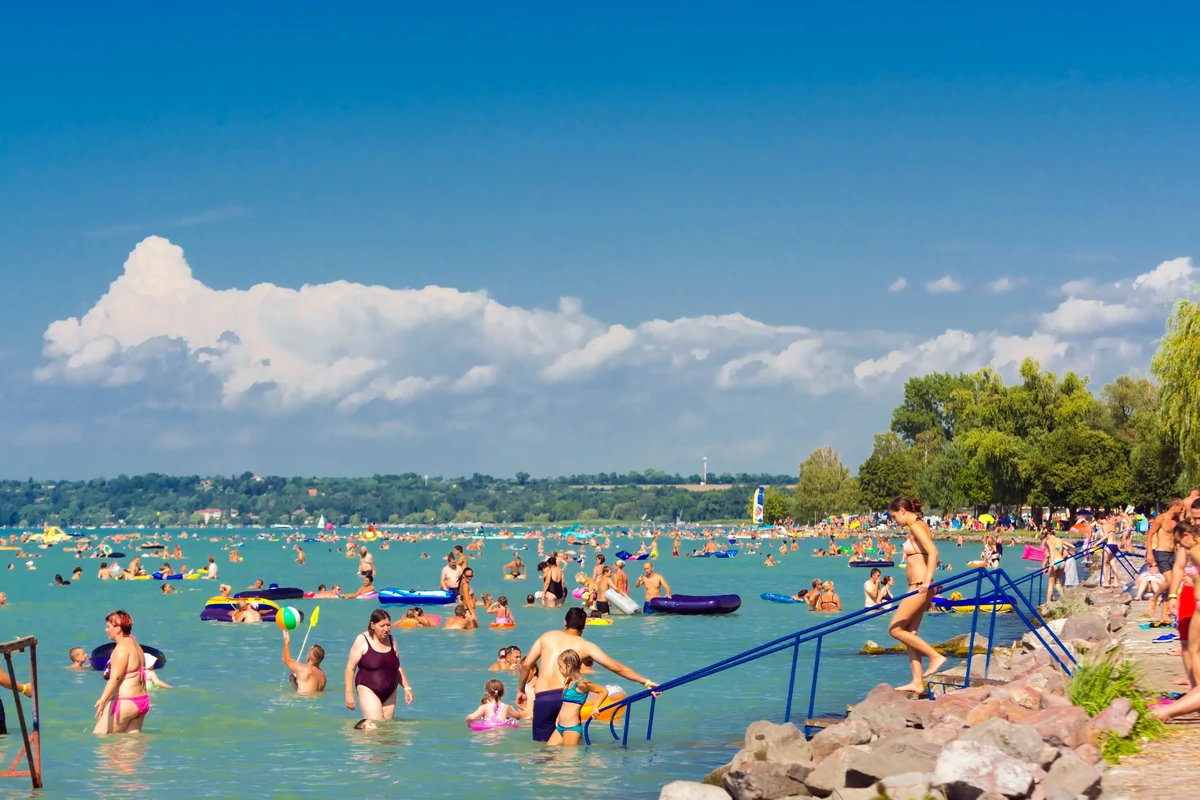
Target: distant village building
x=210, y=514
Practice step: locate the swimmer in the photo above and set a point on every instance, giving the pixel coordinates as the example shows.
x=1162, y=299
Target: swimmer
x=168, y=588
x=245, y=613
x=308, y=678
x=58, y=581
x=225, y=589
x=364, y=589
x=373, y=671
x=509, y=658
x=79, y=658
x=529, y=600
x=491, y=707
x=322, y=592
x=500, y=609
x=568, y=727
x=77, y=574
x=125, y=702
x=300, y=557
x=212, y=569
x=770, y=562
x=258, y=584
x=461, y=621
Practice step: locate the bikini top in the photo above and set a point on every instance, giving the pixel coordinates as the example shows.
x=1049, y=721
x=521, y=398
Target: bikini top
x=911, y=548
x=1191, y=571
x=571, y=694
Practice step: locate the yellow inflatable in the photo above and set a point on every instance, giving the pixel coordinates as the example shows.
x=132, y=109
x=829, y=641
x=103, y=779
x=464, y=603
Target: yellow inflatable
x=608, y=714
x=599, y=622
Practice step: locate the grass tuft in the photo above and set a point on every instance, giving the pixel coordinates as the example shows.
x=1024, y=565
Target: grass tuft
x=1098, y=681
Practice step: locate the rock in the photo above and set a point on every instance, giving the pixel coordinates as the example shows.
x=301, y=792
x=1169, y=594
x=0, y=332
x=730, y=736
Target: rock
x=1089, y=753
x=908, y=786
x=908, y=751
x=761, y=736
x=1054, y=793
x=960, y=645
x=967, y=769
x=887, y=710
x=1061, y=725
x=1085, y=626
x=831, y=773
x=765, y=781
x=1115, y=622
x=1072, y=773
x=1030, y=640
x=1018, y=741
x=687, y=790
x=843, y=734
x=1118, y=719
x=944, y=732
x=767, y=741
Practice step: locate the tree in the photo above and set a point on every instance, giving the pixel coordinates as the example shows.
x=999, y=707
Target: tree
x=1176, y=365
x=777, y=506
x=1126, y=400
x=1154, y=465
x=822, y=487
x=889, y=471
x=1079, y=467
x=929, y=406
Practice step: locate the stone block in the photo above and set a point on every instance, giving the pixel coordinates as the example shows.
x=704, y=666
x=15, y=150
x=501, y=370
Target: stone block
x=765, y=781
x=1085, y=626
x=904, y=752
x=1118, y=719
x=1018, y=741
x=908, y=785
x=1089, y=753
x=1072, y=773
x=687, y=790
x=967, y=769
x=838, y=736
x=830, y=774
x=1061, y=726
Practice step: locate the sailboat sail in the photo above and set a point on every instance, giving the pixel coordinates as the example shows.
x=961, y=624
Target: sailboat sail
x=758, y=504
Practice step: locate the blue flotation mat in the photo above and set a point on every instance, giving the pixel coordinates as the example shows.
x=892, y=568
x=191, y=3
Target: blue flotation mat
x=693, y=604
x=726, y=554
x=625, y=555
x=273, y=592
x=158, y=576
x=402, y=597
x=779, y=598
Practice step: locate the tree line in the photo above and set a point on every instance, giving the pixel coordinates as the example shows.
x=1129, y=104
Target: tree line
x=165, y=500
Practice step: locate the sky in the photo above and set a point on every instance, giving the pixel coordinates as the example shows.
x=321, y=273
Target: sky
x=327, y=241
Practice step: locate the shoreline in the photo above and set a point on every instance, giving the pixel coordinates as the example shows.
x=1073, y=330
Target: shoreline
x=1014, y=732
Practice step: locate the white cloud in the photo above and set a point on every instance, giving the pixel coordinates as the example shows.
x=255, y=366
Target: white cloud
x=1002, y=285
x=597, y=352
x=477, y=378
x=898, y=285
x=1040, y=347
x=1169, y=280
x=943, y=285
x=803, y=363
x=936, y=355
x=1076, y=315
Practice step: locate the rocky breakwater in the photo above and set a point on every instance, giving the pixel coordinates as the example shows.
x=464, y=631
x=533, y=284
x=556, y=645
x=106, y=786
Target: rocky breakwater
x=1017, y=736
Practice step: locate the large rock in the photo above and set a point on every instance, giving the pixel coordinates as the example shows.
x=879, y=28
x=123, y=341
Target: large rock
x=1030, y=641
x=1072, y=773
x=1089, y=753
x=687, y=790
x=1018, y=741
x=831, y=774
x=887, y=710
x=1085, y=626
x=767, y=741
x=1064, y=726
x=908, y=786
x=835, y=737
x=766, y=781
x=904, y=752
x=1118, y=719
x=967, y=769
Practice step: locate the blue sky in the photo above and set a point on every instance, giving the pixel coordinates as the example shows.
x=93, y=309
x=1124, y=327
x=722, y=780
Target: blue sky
x=663, y=170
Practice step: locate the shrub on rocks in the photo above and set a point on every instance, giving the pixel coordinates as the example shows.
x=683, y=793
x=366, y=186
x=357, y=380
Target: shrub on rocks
x=1096, y=686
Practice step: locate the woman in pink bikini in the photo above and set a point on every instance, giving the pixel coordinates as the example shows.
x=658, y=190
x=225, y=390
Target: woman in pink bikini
x=921, y=558
x=124, y=703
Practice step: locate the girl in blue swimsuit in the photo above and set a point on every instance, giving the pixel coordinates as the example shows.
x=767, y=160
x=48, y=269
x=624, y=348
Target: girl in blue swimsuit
x=568, y=729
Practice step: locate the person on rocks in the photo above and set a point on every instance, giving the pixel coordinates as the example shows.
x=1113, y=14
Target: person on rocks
x=921, y=557
x=1187, y=576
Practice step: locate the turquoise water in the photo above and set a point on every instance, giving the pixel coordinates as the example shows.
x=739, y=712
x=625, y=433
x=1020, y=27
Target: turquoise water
x=231, y=728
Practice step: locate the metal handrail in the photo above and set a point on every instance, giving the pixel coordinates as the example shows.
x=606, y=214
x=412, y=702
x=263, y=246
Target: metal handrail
x=1039, y=576
x=998, y=579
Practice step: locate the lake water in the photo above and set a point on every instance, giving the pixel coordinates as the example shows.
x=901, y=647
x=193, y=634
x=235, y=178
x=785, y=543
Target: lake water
x=230, y=727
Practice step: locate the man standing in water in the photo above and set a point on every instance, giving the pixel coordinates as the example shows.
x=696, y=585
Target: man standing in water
x=548, y=691
x=871, y=589
x=451, y=574
x=366, y=564
x=308, y=677
x=654, y=584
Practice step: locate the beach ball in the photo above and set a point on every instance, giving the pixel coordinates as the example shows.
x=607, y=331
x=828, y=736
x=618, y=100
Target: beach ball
x=287, y=618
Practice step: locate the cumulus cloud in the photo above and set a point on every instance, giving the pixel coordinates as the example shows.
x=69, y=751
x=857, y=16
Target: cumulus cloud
x=898, y=285
x=1001, y=285
x=366, y=350
x=943, y=285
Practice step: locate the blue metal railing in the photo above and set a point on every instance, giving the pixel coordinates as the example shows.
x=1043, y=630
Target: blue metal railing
x=1033, y=584
x=1002, y=589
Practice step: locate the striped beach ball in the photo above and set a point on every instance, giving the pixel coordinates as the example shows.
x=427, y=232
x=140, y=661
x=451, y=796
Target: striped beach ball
x=287, y=618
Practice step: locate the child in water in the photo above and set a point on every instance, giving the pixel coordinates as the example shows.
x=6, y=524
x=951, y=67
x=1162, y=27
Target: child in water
x=500, y=609
x=491, y=708
x=568, y=729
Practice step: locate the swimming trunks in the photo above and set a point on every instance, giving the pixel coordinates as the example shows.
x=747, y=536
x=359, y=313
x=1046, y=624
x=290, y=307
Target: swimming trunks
x=603, y=607
x=1165, y=559
x=379, y=672
x=546, y=706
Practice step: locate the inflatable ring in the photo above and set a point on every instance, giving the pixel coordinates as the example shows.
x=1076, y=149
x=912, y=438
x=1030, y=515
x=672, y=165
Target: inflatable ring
x=503, y=625
x=492, y=724
x=976, y=563
x=608, y=714
x=599, y=622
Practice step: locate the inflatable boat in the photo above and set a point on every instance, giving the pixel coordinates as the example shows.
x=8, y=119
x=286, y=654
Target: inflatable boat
x=779, y=598
x=620, y=603
x=402, y=597
x=1000, y=604
x=220, y=609
x=273, y=592
x=693, y=604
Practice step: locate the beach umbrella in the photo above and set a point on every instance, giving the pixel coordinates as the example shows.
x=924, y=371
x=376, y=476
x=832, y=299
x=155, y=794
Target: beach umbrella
x=986, y=519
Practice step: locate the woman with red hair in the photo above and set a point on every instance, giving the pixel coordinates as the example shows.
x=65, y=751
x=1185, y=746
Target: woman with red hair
x=124, y=703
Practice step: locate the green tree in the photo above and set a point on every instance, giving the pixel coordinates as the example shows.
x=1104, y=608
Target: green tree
x=889, y=471
x=1126, y=400
x=929, y=406
x=1176, y=366
x=1079, y=467
x=822, y=486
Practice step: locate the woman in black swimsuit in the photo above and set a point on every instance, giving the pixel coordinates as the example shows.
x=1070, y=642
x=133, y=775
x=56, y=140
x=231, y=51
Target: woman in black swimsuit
x=555, y=591
x=373, y=670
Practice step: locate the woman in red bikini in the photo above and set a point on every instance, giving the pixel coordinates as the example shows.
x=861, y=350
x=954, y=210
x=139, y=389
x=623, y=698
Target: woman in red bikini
x=1186, y=576
x=124, y=703
x=921, y=558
